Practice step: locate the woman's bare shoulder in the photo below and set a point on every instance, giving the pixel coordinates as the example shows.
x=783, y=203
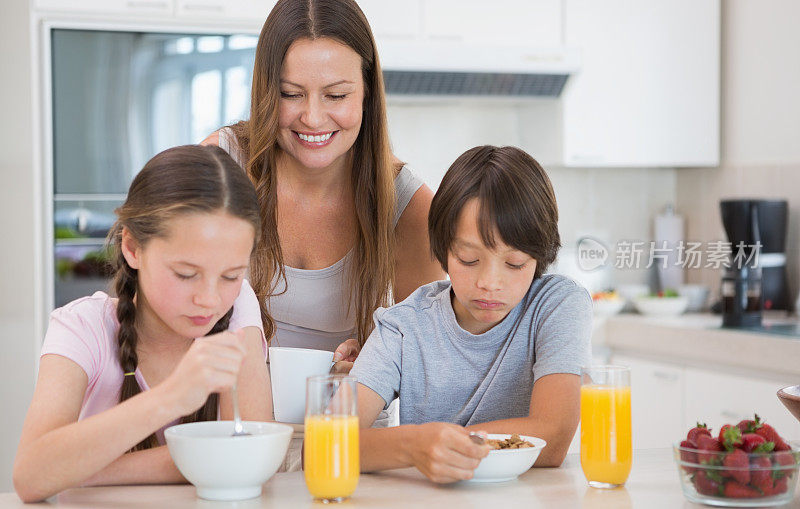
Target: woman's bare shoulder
x=213, y=139
x=397, y=165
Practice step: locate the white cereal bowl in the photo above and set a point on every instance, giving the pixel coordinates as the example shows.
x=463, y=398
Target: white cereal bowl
x=223, y=467
x=607, y=307
x=507, y=464
x=661, y=306
x=630, y=292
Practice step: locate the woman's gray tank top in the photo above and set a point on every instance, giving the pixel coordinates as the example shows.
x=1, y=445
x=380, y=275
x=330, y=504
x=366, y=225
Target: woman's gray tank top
x=312, y=312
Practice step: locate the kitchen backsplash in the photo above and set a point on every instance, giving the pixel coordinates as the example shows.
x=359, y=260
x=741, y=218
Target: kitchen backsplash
x=699, y=191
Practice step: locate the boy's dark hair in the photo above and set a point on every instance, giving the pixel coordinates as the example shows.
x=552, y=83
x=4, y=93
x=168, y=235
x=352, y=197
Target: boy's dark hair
x=515, y=199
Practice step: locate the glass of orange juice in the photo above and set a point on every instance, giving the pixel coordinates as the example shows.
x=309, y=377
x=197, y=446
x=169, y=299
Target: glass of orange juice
x=330, y=451
x=606, y=450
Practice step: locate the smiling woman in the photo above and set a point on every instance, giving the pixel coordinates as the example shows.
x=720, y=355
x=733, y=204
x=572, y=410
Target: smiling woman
x=321, y=110
x=344, y=222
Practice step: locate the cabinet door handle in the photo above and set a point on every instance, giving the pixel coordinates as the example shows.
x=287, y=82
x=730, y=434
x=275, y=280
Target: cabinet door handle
x=663, y=375
x=146, y=4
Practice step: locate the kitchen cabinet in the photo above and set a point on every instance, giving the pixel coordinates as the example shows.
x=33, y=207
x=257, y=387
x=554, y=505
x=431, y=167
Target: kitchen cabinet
x=669, y=398
x=253, y=11
x=657, y=393
x=387, y=19
x=107, y=6
x=648, y=91
x=534, y=23
x=719, y=398
x=393, y=19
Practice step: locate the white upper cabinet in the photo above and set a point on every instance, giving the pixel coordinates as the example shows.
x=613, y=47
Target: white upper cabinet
x=647, y=93
x=647, y=89
x=107, y=6
x=251, y=11
x=535, y=23
x=393, y=19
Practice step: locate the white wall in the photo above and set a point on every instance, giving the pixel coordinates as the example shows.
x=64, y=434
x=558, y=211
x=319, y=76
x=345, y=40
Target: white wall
x=17, y=256
x=761, y=80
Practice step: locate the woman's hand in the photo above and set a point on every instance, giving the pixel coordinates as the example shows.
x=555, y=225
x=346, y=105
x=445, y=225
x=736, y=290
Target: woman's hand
x=210, y=365
x=345, y=355
x=445, y=453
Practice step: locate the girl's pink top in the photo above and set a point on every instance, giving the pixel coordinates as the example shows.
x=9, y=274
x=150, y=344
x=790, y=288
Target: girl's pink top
x=85, y=331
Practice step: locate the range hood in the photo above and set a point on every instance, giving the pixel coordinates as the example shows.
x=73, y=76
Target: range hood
x=436, y=68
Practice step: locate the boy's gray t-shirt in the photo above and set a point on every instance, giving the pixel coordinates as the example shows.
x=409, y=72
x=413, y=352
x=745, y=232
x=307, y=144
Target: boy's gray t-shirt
x=441, y=372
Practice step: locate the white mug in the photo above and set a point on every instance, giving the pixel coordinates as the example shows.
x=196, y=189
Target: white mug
x=289, y=368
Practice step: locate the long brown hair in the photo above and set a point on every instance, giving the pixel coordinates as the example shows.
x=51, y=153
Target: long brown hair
x=372, y=175
x=516, y=199
x=180, y=180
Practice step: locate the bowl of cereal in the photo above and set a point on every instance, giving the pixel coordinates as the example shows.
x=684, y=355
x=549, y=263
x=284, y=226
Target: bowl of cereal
x=511, y=455
x=226, y=467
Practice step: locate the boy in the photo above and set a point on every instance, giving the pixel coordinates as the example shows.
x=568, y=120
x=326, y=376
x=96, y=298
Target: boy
x=498, y=348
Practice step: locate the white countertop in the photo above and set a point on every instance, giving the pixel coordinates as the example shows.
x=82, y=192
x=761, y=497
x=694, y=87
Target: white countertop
x=699, y=338
x=653, y=483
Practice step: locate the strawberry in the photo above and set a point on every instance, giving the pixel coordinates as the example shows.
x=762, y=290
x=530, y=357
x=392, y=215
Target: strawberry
x=770, y=435
x=746, y=426
x=750, y=441
x=749, y=425
x=734, y=489
x=722, y=430
x=763, y=448
x=730, y=437
x=706, y=485
x=737, y=466
x=688, y=456
x=780, y=486
x=700, y=429
x=708, y=449
x=761, y=473
x=784, y=458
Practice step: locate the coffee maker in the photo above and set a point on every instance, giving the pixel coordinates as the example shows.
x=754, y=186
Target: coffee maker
x=756, y=277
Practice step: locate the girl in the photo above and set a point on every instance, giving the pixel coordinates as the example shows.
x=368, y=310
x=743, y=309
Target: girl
x=499, y=347
x=115, y=372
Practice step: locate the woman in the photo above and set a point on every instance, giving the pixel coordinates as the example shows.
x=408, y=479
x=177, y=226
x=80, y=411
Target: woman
x=334, y=200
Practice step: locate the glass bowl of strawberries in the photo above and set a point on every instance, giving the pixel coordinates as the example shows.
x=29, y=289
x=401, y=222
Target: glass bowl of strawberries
x=743, y=465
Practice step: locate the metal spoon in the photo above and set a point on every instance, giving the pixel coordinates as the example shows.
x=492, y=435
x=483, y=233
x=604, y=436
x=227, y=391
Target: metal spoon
x=238, y=428
x=475, y=437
